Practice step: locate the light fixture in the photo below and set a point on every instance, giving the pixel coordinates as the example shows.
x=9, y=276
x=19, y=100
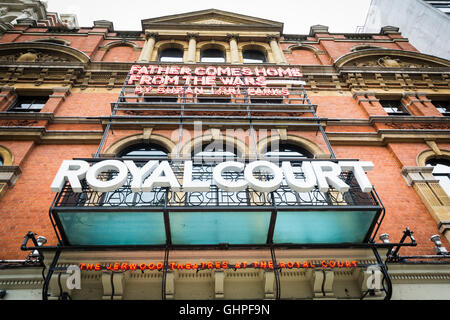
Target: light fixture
x=40, y=241
x=384, y=237
x=437, y=241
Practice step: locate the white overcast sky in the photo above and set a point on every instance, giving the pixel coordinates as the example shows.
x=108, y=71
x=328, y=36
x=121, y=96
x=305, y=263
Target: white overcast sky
x=297, y=15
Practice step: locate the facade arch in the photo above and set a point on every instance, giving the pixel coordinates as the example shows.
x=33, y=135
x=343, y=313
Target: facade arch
x=218, y=45
x=167, y=44
x=304, y=143
x=120, y=52
x=359, y=47
x=54, y=40
x=7, y=156
x=304, y=54
x=125, y=142
x=44, y=48
x=303, y=47
x=120, y=43
x=198, y=142
x=406, y=59
x=426, y=155
x=263, y=48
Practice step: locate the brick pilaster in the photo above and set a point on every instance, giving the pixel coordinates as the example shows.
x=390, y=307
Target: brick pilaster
x=56, y=99
x=369, y=103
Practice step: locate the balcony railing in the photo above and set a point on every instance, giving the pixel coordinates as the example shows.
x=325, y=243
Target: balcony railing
x=247, y=217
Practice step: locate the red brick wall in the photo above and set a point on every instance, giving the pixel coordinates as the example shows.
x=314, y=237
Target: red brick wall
x=25, y=207
x=121, y=54
x=403, y=206
x=344, y=107
x=302, y=56
x=87, y=103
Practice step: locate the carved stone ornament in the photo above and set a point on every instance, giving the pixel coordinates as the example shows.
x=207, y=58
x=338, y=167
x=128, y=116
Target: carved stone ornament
x=33, y=56
x=389, y=62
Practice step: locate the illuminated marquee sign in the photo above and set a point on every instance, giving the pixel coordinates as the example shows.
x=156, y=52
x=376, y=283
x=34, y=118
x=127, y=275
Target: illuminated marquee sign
x=320, y=174
x=219, y=265
x=211, y=80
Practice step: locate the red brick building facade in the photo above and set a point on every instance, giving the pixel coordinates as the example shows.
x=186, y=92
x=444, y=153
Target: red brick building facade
x=374, y=97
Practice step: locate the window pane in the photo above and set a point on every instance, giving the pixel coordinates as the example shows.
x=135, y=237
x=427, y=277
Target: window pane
x=322, y=226
x=393, y=107
x=441, y=172
x=143, y=150
x=219, y=227
x=29, y=103
x=212, y=55
x=171, y=55
x=254, y=56
x=443, y=107
x=113, y=228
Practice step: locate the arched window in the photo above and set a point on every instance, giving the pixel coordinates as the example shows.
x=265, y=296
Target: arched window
x=441, y=171
x=287, y=150
x=204, y=159
x=254, y=56
x=1, y=161
x=144, y=150
x=212, y=55
x=124, y=196
x=171, y=55
x=216, y=151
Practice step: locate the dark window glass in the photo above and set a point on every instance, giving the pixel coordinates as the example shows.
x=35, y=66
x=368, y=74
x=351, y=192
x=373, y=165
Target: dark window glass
x=171, y=55
x=216, y=151
x=266, y=100
x=442, y=172
x=29, y=104
x=288, y=150
x=1, y=161
x=254, y=56
x=394, y=107
x=160, y=99
x=212, y=55
x=144, y=150
x=213, y=100
x=443, y=107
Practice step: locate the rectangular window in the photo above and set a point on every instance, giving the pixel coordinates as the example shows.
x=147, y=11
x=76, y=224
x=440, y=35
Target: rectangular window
x=266, y=100
x=213, y=100
x=29, y=104
x=394, y=107
x=443, y=107
x=160, y=99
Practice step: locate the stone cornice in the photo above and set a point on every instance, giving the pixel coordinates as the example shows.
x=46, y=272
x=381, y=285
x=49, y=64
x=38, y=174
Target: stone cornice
x=384, y=136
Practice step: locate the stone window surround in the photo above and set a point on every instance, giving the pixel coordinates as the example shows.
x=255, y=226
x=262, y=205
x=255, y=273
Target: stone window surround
x=428, y=188
x=8, y=172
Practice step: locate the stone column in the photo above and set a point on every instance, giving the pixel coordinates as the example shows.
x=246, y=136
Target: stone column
x=276, y=51
x=192, y=49
x=233, y=38
x=147, y=51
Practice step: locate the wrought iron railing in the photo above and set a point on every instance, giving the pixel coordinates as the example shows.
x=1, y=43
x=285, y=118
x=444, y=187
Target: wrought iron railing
x=284, y=196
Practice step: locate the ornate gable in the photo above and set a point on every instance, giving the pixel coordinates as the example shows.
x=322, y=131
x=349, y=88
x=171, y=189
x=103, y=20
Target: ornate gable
x=390, y=59
x=210, y=17
x=40, y=52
